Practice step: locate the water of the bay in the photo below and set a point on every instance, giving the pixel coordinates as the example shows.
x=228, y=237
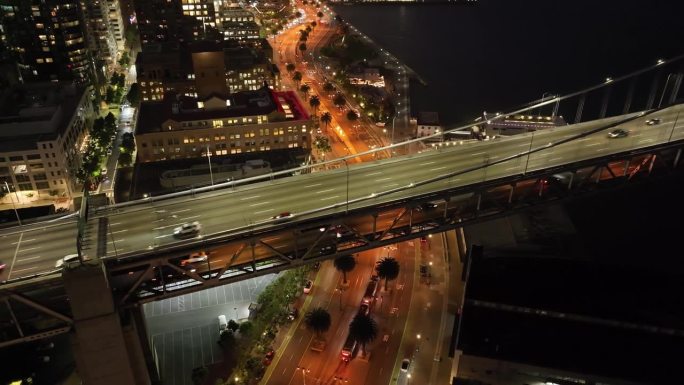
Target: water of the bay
x=498, y=54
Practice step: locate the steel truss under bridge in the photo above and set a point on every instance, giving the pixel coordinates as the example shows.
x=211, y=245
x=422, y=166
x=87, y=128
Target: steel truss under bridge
x=32, y=312
x=269, y=251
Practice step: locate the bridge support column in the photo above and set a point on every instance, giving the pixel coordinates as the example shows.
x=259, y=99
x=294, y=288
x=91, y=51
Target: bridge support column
x=105, y=345
x=375, y=224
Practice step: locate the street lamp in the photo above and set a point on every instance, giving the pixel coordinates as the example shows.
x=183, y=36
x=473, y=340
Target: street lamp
x=237, y=316
x=408, y=378
x=12, y=200
x=347, y=164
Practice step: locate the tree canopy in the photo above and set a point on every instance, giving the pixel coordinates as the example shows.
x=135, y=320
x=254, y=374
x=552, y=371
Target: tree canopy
x=345, y=264
x=387, y=268
x=318, y=320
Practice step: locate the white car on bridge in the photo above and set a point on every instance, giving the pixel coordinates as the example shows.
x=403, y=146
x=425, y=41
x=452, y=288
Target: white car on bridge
x=187, y=229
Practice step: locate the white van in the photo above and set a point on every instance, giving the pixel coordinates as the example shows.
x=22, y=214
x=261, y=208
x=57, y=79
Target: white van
x=223, y=323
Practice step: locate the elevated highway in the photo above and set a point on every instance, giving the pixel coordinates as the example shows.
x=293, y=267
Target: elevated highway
x=345, y=210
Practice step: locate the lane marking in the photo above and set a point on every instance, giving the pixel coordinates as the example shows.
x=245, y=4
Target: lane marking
x=324, y=191
x=329, y=198
x=380, y=180
x=314, y=185
x=180, y=211
x=28, y=259
x=263, y=211
x=259, y=204
x=28, y=240
x=252, y=197
x=30, y=248
x=28, y=268
x=118, y=231
x=186, y=218
x=21, y=235
x=374, y=173
x=438, y=168
x=426, y=163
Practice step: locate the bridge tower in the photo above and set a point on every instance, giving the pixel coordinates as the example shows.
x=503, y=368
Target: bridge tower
x=109, y=345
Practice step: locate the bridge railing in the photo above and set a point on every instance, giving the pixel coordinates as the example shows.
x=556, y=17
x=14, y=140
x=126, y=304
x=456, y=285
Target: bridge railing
x=655, y=86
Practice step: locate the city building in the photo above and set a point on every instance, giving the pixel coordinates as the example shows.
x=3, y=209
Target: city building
x=101, y=40
x=428, y=124
x=238, y=24
x=116, y=24
x=368, y=77
x=250, y=121
x=202, y=10
x=202, y=68
x=42, y=136
x=46, y=39
x=163, y=21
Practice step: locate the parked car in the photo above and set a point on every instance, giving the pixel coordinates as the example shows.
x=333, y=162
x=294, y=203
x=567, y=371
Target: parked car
x=2, y=265
x=293, y=314
x=405, y=364
x=187, y=229
x=364, y=309
x=307, y=286
x=652, y=122
x=427, y=206
x=424, y=271
x=268, y=357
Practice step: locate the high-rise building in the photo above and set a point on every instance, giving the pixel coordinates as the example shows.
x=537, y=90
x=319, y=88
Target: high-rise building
x=163, y=21
x=202, y=68
x=45, y=38
x=101, y=40
x=116, y=23
x=42, y=136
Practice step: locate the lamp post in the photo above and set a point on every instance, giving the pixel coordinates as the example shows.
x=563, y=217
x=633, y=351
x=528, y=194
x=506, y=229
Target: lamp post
x=304, y=371
x=237, y=316
x=529, y=153
x=9, y=192
x=211, y=174
x=347, y=164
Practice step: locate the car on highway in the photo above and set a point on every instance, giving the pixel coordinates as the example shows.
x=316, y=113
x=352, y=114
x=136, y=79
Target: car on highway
x=187, y=229
x=618, y=133
x=2, y=265
x=67, y=259
x=652, y=122
x=423, y=240
x=405, y=364
x=283, y=217
x=194, y=257
x=380, y=124
x=307, y=287
x=364, y=309
x=424, y=271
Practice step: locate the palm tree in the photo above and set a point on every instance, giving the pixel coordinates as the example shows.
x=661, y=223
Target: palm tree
x=339, y=100
x=345, y=264
x=313, y=24
x=290, y=67
x=319, y=14
x=318, y=320
x=305, y=88
x=303, y=34
x=314, y=102
x=297, y=77
x=363, y=329
x=387, y=268
x=326, y=118
x=351, y=115
x=308, y=29
x=328, y=87
x=302, y=47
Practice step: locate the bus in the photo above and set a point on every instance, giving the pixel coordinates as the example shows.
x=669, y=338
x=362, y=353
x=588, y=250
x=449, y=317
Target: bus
x=348, y=349
x=369, y=295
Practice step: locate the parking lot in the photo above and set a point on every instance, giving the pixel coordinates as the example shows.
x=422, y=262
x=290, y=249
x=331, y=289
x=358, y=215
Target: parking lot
x=184, y=330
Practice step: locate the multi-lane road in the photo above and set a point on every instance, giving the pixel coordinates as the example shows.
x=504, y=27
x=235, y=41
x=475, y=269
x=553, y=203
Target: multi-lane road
x=149, y=224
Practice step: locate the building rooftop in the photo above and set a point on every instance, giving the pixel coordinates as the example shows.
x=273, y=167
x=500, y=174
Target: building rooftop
x=179, y=108
x=35, y=112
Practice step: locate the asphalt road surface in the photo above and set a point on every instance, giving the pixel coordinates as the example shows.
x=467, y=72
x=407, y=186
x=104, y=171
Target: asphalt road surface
x=149, y=224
